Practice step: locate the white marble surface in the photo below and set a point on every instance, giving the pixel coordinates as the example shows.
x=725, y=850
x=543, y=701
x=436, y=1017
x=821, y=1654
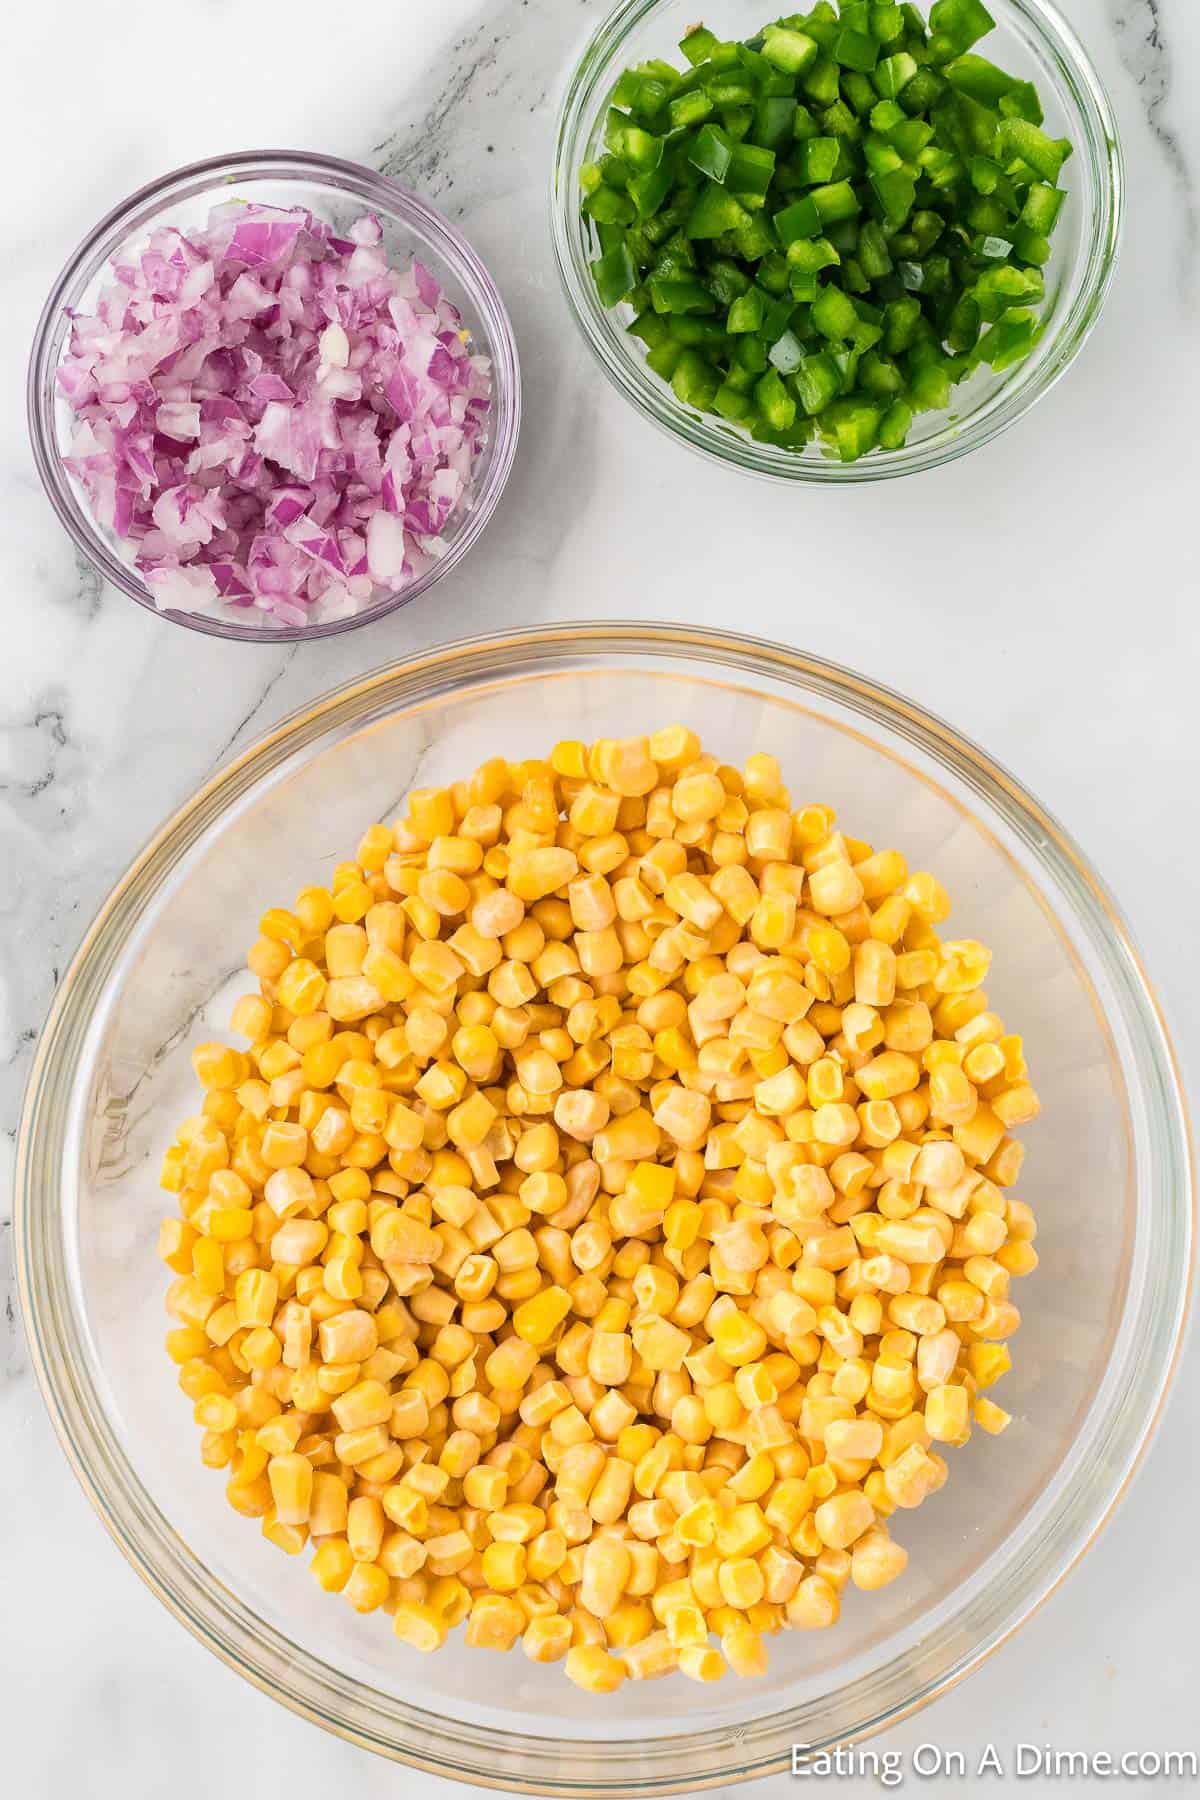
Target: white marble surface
x=1042, y=595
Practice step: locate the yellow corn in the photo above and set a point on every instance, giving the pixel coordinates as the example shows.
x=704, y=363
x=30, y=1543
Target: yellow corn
x=610, y=1211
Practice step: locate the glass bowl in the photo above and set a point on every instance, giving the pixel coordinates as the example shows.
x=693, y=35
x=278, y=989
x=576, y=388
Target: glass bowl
x=1033, y=41
x=1108, y=1173
x=339, y=192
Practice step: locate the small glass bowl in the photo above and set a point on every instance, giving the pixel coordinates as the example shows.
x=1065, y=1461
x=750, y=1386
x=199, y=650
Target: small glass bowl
x=334, y=190
x=1107, y=1174
x=1034, y=41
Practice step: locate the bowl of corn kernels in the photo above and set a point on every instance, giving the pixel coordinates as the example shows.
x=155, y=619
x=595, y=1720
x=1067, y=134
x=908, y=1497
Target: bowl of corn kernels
x=586, y=1100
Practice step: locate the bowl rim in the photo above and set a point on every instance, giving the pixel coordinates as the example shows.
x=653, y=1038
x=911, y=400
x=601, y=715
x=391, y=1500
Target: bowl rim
x=725, y=445
x=384, y=194
x=309, y=1687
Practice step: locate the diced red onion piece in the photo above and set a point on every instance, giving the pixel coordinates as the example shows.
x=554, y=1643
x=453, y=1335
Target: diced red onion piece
x=270, y=417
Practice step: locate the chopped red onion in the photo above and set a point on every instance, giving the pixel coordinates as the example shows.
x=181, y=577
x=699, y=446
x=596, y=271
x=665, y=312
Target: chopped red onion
x=272, y=418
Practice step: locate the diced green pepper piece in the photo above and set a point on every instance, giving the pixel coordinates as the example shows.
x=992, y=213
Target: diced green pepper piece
x=690, y=109
x=879, y=375
x=1010, y=339
x=778, y=315
x=608, y=207
x=821, y=82
x=886, y=115
x=790, y=51
x=808, y=256
x=979, y=79
x=843, y=235
x=628, y=87
x=873, y=251
x=927, y=227
x=857, y=92
x=840, y=122
x=942, y=167
x=1031, y=247
x=794, y=438
x=887, y=21
x=753, y=240
x=695, y=381
x=671, y=295
x=1021, y=102
x=987, y=177
x=835, y=201
x=893, y=74
x=726, y=280
x=651, y=328
x=730, y=89
x=895, y=426
x=614, y=275
x=694, y=332
x=664, y=357
x=817, y=382
x=750, y=170
x=698, y=45
x=1044, y=155
x=711, y=152
x=856, y=50
x=731, y=404
x=930, y=388
x=998, y=289
x=641, y=149
x=773, y=274
x=955, y=25
x=756, y=67
x=881, y=157
x=676, y=258
x=821, y=23
x=715, y=212
x=746, y=313
x=649, y=191
x=816, y=159
x=1042, y=207
x=834, y=314
x=923, y=92
x=900, y=321
x=737, y=121
x=804, y=125
x=799, y=220
x=750, y=354
x=615, y=171
x=857, y=432
x=616, y=123
x=774, y=118
x=774, y=402
x=741, y=377
x=962, y=329
x=910, y=137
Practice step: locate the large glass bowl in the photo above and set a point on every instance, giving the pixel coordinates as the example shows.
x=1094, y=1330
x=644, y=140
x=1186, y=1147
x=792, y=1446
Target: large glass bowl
x=1108, y=1174
x=339, y=192
x=1033, y=41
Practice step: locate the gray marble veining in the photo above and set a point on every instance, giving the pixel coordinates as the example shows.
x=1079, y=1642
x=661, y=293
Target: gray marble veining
x=1145, y=34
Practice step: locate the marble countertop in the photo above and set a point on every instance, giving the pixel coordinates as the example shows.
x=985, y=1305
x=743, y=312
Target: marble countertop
x=1041, y=595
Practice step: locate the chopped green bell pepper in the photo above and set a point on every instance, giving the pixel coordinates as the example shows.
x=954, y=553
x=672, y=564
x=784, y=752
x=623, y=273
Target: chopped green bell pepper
x=826, y=227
